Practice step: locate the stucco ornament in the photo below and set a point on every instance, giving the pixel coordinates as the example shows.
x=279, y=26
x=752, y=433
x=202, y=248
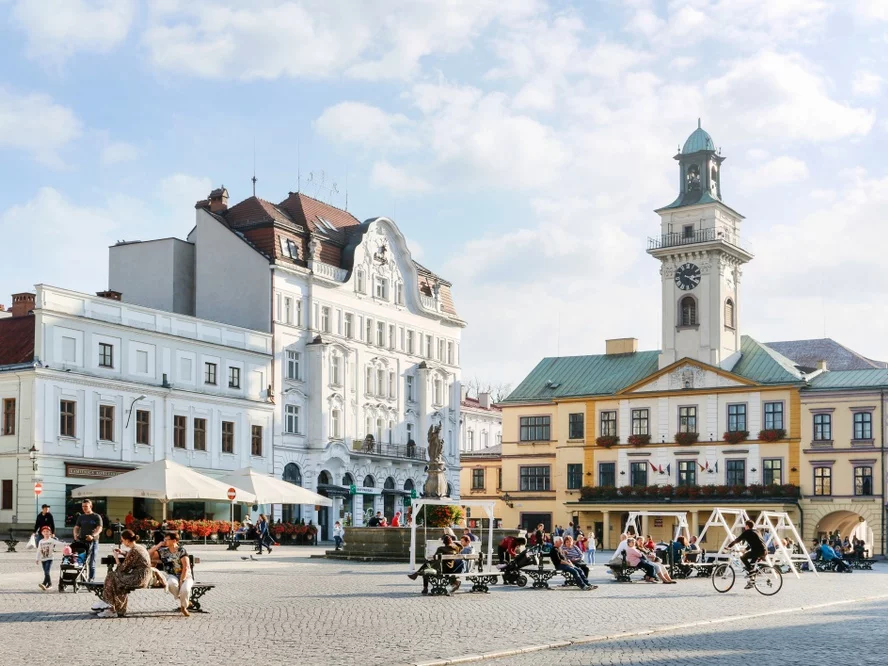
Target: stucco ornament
x=436, y=482
x=314, y=249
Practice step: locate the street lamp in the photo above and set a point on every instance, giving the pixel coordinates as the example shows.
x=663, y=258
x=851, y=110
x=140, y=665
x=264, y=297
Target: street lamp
x=32, y=454
x=507, y=498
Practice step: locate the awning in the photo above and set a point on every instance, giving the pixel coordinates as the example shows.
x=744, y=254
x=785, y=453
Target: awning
x=395, y=491
x=332, y=490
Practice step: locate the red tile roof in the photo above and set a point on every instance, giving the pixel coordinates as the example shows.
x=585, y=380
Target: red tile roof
x=16, y=340
x=474, y=403
x=306, y=210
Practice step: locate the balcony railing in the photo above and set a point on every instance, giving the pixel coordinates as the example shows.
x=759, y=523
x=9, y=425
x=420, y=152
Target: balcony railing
x=428, y=302
x=696, y=236
x=698, y=493
x=410, y=452
x=328, y=271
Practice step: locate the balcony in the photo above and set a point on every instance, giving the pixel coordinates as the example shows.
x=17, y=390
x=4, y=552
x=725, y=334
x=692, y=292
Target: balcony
x=428, y=302
x=697, y=236
x=327, y=271
x=696, y=493
x=389, y=450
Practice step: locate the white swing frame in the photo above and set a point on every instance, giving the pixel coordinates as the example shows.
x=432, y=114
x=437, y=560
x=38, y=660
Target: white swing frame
x=718, y=519
x=418, y=504
x=765, y=522
x=682, y=526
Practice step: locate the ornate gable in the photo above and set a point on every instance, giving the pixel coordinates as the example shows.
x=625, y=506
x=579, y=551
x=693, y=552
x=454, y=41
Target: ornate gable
x=686, y=374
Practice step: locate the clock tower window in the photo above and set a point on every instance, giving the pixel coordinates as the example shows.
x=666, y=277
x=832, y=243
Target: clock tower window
x=688, y=307
x=729, y=313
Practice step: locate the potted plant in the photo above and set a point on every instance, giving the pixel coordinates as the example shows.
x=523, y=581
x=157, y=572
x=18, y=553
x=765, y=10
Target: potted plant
x=639, y=440
x=665, y=491
x=771, y=434
x=685, y=438
x=736, y=436
x=682, y=492
x=607, y=441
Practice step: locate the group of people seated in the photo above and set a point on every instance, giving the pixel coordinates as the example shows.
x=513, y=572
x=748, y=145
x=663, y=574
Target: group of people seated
x=641, y=554
x=844, y=548
x=454, y=559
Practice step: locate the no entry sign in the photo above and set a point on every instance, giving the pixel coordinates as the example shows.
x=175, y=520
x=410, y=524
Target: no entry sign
x=232, y=493
x=38, y=488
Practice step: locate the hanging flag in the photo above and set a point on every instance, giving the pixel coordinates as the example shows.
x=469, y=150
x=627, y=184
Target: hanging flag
x=653, y=466
x=716, y=466
x=669, y=469
x=702, y=469
x=661, y=469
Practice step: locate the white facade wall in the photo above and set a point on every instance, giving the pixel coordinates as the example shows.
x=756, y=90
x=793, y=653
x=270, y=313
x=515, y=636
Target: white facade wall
x=481, y=428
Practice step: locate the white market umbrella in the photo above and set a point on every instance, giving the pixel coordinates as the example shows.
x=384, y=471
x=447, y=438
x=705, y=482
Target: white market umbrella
x=269, y=490
x=165, y=481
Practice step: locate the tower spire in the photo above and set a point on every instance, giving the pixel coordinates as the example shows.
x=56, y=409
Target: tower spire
x=254, y=179
x=699, y=126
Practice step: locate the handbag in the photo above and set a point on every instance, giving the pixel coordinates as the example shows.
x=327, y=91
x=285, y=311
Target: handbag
x=32, y=543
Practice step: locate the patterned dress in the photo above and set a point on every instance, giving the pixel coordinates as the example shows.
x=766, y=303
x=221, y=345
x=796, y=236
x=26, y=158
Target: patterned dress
x=132, y=574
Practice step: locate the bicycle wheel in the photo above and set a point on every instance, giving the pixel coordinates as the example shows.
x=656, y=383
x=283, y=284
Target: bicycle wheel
x=768, y=580
x=723, y=577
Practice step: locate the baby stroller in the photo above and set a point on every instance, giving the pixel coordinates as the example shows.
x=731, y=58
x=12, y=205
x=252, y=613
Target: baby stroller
x=73, y=571
x=512, y=574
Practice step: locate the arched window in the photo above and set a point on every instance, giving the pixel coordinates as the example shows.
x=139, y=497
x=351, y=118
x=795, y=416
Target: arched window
x=693, y=177
x=688, y=311
x=292, y=474
x=347, y=479
x=729, y=313
x=369, y=482
x=324, y=478
x=409, y=485
x=389, y=484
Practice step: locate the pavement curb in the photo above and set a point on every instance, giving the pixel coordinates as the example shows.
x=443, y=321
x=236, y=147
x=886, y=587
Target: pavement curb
x=585, y=640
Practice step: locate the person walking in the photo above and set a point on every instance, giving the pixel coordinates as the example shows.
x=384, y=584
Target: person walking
x=87, y=528
x=44, y=518
x=45, y=549
x=133, y=573
x=264, y=538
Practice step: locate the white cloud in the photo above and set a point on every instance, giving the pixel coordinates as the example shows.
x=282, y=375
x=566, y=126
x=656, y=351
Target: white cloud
x=315, y=38
x=58, y=29
x=396, y=180
x=35, y=124
x=369, y=126
x=117, y=152
x=778, y=171
x=867, y=84
x=871, y=10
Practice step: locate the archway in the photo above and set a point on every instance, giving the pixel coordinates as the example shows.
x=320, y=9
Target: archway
x=324, y=479
x=847, y=524
x=388, y=498
x=369, y=498
x=348, y=503
x=292, y=513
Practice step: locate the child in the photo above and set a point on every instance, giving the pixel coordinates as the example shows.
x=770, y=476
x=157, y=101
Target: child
x=45, y=549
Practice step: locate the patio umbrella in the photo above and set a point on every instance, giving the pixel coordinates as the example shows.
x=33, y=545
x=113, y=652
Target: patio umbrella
x=269, y=490
x=164, y=481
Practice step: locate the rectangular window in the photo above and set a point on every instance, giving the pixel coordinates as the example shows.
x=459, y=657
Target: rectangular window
x=256, y=440
x=335, y=369
x=575, y=427
x=438, y=395
x=67, y=420
x=200, y=434
x=180, y=432
x=359, y=281
x=608, y=424
x=288, y=310
x=349, y=325
x=640, y=421
x=227, y=436
x=735, y=472
x=440, y=349
x=638, y=473
x=298, y=320
x=574, y=476
x=822, y=427
x=499, y=478
x=477, y=479
x=410, y=388
x=392, y=338
x=863, y=481
x=368, y=380
x=380, y=334
x=391, y=393
x=410, y=342
x=106, y=355
x=607, y=474
x=687, y=419
x=106, y=423
x=736, y=418
x=687, y=472
x=399, y=293
x=773, y=416
x=428, y=349
x=325, y=319
x=380, y=382
x=234, y=378
x=863, y=425
x=210, y=373
x=291, y=421
x=6, y=495
x=534, y=428
x=293, y=365
x=143, y=426
x=368, y=337
x=381, y=288
x=772, y=471
x=8, y=416
x=449, y=353
x=823, y=481
x=534, y=478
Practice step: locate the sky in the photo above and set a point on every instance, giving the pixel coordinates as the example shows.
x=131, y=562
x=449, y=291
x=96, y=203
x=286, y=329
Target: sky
x=520, y=146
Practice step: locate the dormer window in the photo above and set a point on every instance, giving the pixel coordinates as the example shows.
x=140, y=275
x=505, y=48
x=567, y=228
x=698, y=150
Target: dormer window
x=289, y=248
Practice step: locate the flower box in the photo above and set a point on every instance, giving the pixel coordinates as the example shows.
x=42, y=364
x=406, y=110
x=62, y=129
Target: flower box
x=771, y=435
x=736, y=436
x=686, y=438
x=639, y=440
x=607, y=441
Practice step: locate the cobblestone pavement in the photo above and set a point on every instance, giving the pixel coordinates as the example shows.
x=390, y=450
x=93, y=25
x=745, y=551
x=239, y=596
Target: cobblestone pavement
x=285, y=608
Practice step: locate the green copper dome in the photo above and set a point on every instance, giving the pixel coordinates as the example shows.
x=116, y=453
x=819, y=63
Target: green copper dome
x=699, y=140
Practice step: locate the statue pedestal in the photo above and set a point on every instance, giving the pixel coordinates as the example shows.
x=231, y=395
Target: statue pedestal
x=435, y=486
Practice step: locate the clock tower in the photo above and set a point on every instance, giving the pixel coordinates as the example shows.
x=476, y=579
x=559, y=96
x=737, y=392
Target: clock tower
x=701, y=255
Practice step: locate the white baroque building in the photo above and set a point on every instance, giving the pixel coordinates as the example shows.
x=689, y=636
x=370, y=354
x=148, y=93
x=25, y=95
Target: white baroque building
x=92, y=387
x=366, y=340
x=482, y=423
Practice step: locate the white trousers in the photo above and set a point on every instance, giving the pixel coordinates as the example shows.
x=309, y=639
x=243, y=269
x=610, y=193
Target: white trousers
x=183, y=592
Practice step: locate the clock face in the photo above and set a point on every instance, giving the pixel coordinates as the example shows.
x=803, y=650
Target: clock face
x=687, y=276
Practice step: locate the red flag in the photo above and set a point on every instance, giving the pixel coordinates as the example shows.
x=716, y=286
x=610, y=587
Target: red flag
x=653, y=466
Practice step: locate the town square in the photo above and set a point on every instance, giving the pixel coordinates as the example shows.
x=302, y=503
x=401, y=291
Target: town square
x=400, y=332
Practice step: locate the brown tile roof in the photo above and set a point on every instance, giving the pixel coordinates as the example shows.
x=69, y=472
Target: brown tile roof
x=306, y=210
x=474, y=403
x=16, y=340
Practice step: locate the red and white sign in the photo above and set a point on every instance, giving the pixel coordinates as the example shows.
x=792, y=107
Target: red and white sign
x=232, y=493
x=38, y=488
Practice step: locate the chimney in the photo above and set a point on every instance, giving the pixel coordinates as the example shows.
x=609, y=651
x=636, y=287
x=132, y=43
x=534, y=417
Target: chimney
x=23, y=303
x=110, y=294
x=822, y=365
x=218, y=200
x=484, y=400
x=621, y=346
x=3, y=312
x=463, y=392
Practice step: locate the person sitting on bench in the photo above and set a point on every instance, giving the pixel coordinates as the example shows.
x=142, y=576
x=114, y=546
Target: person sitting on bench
x=133, y=573
x=635, y=558
x=574, y=555
x=448, y=566
x=175, y=564
x=561, y=564
x=827, y=554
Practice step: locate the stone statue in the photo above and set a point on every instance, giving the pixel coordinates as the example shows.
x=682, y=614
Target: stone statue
x=436, y=482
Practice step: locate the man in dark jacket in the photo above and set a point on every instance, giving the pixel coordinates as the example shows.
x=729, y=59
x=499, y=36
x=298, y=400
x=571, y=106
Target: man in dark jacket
x=562, y=564
x=44, y=518
x=87, y=528
x=448, y=566
x=755, y=547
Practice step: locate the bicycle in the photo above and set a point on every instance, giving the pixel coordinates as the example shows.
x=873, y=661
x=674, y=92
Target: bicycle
x=765, y=578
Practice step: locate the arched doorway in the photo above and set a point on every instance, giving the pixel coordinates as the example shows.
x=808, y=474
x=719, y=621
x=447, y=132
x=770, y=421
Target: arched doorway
x=847, y=524
x=324, y=479
x=292, y=513
x=388, y=498
x=369, y=499
x=348, y=502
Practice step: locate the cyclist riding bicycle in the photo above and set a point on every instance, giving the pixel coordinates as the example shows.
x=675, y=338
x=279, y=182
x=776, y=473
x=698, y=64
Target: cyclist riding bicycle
x=755, y=549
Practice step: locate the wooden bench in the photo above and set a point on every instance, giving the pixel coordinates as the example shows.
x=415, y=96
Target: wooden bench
x=481, y=580
x=197, y=591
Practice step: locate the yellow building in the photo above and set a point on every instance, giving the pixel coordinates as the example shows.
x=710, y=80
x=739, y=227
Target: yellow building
x=713, y=419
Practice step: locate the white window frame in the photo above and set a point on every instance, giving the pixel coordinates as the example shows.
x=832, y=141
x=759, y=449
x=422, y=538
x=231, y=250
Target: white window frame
x=294, y=359
x=349, y=325
x=291, y=419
